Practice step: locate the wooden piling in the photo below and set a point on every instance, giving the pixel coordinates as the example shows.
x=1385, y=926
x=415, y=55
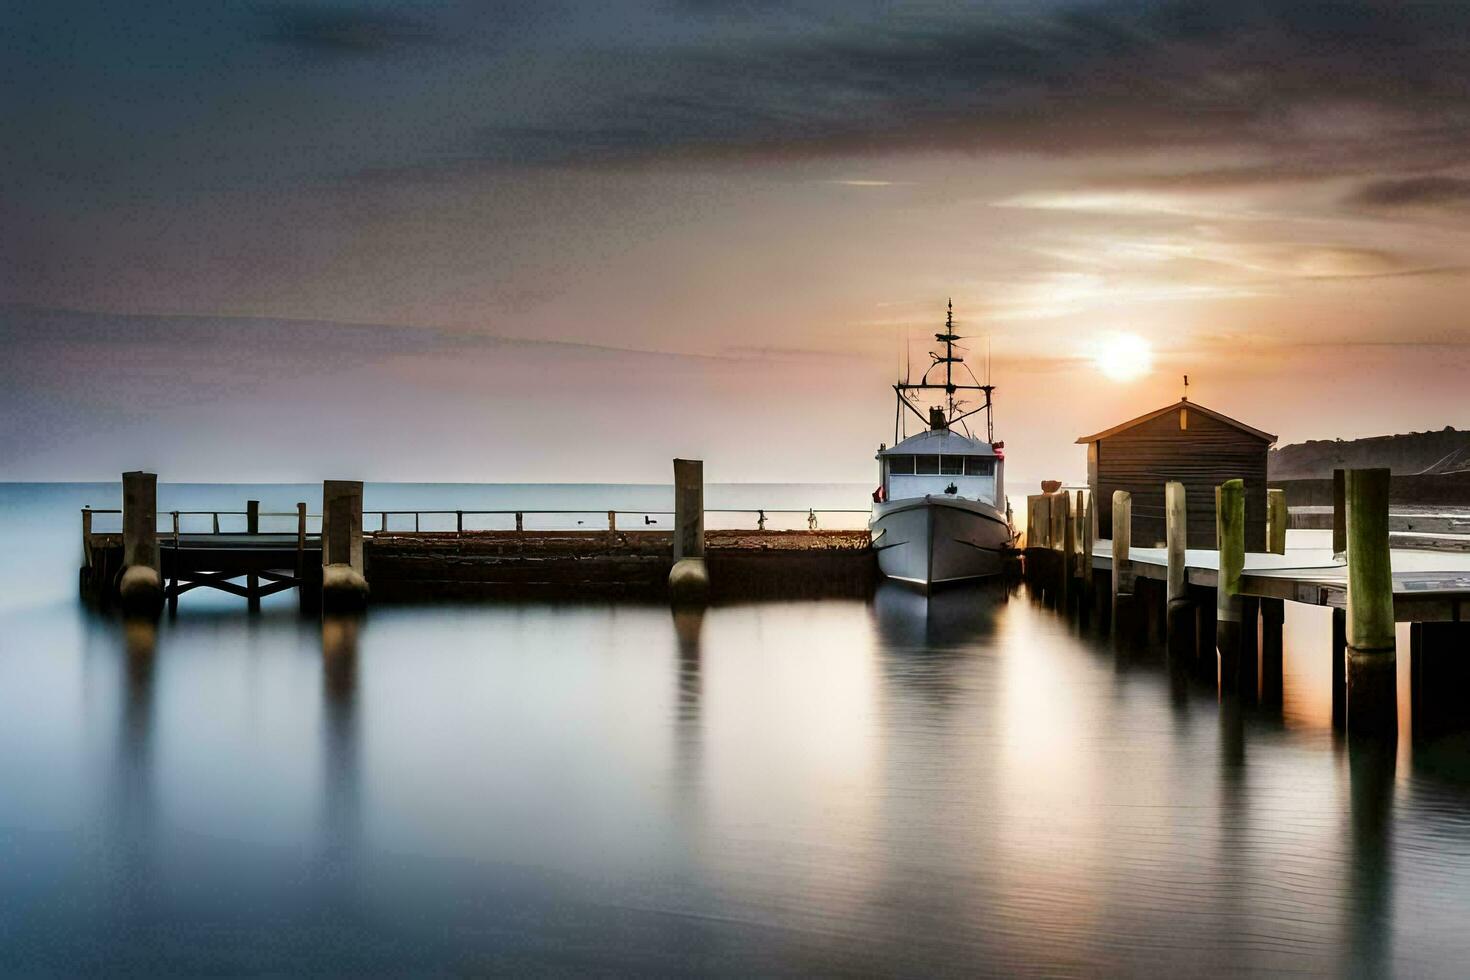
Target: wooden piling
x=688, y=508
x=1339, y=668
x=1439, y=676
x=1276, y=519
x=252, y=580
x=1273, y=616
x=344, y=584
x=300, y=542
x=1088, y=522
x=1038, y=548
x=689, y=577
x=1066, y=545
x=1372, y=680
x=1179, y=620
x=140, y=589
x=172, y=590
x=1122, y=567
x=1250, y=654
x=140, y=519
x=1230, y=530
x=1339, y=513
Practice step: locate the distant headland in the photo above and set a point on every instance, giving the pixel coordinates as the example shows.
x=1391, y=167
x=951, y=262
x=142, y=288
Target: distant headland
x=1428, y=467
x=1440, y=452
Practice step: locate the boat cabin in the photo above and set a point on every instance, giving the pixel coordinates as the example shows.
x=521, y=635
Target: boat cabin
x=939, y=461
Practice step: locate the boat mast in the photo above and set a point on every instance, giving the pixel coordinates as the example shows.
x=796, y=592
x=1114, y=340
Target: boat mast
x=948, y=337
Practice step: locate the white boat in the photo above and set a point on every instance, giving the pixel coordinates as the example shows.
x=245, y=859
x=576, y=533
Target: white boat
x=940, y=513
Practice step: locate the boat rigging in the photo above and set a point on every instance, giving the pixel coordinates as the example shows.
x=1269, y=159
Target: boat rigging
x=946, y=416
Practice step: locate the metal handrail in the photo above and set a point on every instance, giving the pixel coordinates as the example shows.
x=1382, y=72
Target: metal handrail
x=459, y=515
x=707, y=510
x=219, y=513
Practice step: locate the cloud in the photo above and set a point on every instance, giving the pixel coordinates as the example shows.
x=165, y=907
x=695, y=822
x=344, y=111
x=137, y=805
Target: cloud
x=1413, y=192
x=1276, y=78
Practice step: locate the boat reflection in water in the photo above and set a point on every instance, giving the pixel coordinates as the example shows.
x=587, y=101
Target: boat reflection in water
x=950, y=618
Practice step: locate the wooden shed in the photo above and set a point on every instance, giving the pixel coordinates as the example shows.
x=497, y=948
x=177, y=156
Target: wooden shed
x=1185, y=442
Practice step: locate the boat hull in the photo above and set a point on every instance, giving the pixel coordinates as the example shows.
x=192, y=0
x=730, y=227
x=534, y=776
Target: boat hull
x=930, y=541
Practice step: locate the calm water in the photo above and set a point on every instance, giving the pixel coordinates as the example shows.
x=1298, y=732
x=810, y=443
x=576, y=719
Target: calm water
x=960, y=786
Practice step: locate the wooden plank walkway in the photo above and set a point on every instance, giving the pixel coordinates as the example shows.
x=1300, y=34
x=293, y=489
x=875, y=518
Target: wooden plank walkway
x=1428, y=586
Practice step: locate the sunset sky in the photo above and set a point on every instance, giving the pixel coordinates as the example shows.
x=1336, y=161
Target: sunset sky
x=567, y=241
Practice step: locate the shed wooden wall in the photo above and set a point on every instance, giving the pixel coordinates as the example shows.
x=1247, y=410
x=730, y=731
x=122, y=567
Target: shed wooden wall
x=1209, y=452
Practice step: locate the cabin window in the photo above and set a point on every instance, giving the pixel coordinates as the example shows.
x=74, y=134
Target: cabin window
x=902, y=465
x=952, y=465
x=926, y=464
x=979, y=466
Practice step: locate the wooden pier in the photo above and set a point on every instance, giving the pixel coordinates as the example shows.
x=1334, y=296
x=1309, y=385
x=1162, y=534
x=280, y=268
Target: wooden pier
x=1221, y=610
x=340, y=559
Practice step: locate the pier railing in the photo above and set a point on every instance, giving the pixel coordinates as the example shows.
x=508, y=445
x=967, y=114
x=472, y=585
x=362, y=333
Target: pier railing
x=417, y=521
x=462, y=521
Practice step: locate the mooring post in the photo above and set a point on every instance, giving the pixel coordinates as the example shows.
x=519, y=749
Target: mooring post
x=1034, y=533
x=1042, y=549
x=173, y=581
x=1250, y=654
x=1276, y=520
x=520, y=521
x=689, y=577
x=1179, y=625
x=252, y=580
x=1273, y=616
x=612, y=527
x=300, y=542
x=141, y=587
x=1372, y=681
x=1230, y=530
x=1122, y=567
x=344, y=584
x=1066, y=545
x=1439, y=675
x=1339, y=668
x=87, y=536
x=1088, y=519
x=459, y=523
x=1339, y=514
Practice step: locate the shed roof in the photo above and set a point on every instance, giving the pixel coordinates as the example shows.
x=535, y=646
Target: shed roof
x=1181, y=403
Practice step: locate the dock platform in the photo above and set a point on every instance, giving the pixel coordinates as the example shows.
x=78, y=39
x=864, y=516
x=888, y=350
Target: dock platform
x=1427, y=586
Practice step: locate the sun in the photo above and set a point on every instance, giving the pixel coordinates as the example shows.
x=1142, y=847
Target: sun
x=1123, y=356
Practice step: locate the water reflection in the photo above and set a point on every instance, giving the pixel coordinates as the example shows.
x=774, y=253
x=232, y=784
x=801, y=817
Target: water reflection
x=947, y=618
x=920, y=786
x=341, y=793
x=689, y=684
x=932, y=636
x=1371, y=767
x=140, y=649
x=133, y=812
